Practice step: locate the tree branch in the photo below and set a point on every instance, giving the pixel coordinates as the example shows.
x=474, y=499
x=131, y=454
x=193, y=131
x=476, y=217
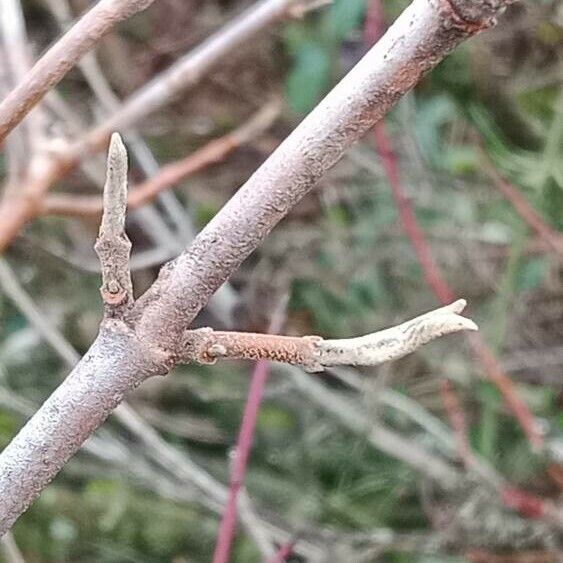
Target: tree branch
x=315, y=354
x=170, y=174
x=62, y=56
x=151, y=339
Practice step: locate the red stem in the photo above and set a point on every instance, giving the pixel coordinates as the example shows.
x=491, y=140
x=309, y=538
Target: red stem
x=457, y=421
x=242, y=451
x=374, y=28
x=283, y=553
x=243, y=446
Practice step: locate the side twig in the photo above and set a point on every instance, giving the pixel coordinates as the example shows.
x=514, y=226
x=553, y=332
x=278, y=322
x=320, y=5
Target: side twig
x=313, y=353
x=113, y=246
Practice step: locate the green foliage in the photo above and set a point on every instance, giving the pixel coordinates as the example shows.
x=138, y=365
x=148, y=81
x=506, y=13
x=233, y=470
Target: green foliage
x=314, y=49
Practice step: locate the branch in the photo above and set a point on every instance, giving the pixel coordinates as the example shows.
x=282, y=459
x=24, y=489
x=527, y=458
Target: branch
x=113, y=246
x=315, y=354
x=186, y=73
x=150, y=338
x=62, y=56
x=170, y=174
x=550, y=236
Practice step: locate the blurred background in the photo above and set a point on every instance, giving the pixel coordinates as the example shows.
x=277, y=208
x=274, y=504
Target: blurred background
x=475, y=151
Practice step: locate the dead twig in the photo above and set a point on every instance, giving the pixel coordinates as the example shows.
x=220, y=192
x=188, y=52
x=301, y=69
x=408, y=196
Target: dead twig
x=315, y=354
x=170, y=174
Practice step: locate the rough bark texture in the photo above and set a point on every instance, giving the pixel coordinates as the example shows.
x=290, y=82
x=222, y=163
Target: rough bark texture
x=313, y=353
x=116, y=363
x=120, y=358
x=416, y=42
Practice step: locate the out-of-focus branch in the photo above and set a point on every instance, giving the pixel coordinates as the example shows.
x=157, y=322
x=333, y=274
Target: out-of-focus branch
x=457, y=422
x=550, y=236
x=62, y=56
x=170, y=174
x=10, y=549
x=432, y=274
x=16, y=61
x=315, y=354
x=152, y=336
x=186, y=73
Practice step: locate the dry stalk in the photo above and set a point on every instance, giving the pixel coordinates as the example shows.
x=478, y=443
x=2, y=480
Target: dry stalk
x=315, y=354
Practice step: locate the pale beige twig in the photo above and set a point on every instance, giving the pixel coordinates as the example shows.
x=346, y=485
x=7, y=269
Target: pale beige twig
x=10, y=549
x=314, y=354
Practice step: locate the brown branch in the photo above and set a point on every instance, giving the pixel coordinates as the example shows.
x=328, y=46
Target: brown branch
x=150, y=338
x=170, y=174
x=62, y=56
x=186, y=73
x=315, y=354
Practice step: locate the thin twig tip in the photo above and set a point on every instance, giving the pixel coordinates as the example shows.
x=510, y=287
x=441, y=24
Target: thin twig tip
x=117, y=151
x=458, y=306
x=468, y=324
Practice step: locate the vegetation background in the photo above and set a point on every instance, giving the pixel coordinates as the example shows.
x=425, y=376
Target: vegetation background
x=340, y=265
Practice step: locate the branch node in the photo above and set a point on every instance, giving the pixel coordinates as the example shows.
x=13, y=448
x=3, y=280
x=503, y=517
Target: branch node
x=113, y=246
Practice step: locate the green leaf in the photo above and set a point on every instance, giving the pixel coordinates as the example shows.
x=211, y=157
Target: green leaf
x=309, y=78
x=531, y=274
x=344, y=17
